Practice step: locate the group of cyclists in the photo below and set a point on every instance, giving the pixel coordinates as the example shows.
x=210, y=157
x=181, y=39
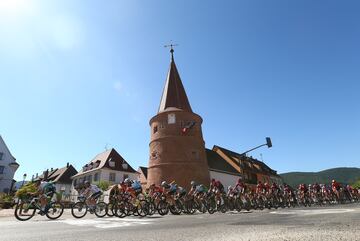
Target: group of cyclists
x=129, y=197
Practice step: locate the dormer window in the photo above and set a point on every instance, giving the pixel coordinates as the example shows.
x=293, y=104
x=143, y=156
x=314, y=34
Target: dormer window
x=125, y=166
x=1, y=155
x=97, y=163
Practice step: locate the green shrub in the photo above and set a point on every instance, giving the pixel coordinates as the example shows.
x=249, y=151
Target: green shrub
x=6, y=201
x=24, y=190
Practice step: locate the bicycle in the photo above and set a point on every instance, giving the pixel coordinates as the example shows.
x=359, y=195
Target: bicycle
x=80, y=208
x=26, y=208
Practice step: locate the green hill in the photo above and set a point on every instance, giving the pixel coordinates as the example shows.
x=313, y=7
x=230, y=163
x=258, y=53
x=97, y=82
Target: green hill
x=347, y=175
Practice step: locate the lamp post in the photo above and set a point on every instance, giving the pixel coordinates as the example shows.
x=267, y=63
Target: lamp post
x=24, y=176
x=268, y=144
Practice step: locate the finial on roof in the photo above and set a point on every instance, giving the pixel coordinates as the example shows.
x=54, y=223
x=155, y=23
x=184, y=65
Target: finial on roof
x=171, y=46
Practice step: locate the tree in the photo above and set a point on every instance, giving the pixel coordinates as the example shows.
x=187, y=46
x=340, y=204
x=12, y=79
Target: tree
x=356, y=184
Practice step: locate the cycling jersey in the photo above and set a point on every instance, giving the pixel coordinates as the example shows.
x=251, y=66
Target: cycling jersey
x=136, y=185
x=93, y=189
x=46, y=187
x=200, y=189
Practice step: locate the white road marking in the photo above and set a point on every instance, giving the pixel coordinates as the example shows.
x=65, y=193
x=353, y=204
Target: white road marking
x=314, y=211
x=107, y=223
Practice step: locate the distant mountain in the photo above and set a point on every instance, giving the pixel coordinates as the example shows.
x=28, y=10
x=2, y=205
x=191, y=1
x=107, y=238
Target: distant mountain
x=346, y=175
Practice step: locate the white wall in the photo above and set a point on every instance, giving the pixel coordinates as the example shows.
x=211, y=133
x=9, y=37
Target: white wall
x=225, y=179
x=119, y=175
x=104, y=175
x=60, y=187
x=8, y=174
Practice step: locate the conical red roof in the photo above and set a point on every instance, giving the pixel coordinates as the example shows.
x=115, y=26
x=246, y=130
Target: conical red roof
x=174, y=94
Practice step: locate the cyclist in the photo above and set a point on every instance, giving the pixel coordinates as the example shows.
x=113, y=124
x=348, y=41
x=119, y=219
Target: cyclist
x=45, y=191
x=169, y=190
x=193, y=188
x=335, y=188
x=260, y=188
x=200, y=190
x=240, y=186
x=92, y=192
x=136, y=185
x=181, y=192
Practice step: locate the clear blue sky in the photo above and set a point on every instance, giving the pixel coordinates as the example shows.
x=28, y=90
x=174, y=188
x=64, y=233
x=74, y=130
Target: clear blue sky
x=77, y=75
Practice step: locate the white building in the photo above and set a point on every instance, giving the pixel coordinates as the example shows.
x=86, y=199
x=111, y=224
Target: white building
x=107, y=166
x=8, y=167
x=61, y=177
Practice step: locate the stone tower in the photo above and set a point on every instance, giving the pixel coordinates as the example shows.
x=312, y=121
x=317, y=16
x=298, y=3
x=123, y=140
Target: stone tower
x=177, y=148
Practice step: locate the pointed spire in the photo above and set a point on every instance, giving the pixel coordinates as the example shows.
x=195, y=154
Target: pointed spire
x=174, y=94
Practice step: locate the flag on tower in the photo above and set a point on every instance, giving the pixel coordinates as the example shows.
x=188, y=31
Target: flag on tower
x=188, y=126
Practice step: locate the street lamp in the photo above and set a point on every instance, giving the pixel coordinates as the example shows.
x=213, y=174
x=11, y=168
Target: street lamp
x=268, y=144
x=24, y=176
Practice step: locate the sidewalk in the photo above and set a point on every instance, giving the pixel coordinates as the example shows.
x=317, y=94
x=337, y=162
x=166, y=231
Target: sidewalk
x=6, y=212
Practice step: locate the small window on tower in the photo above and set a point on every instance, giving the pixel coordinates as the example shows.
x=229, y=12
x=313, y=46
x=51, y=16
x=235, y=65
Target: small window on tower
x=155, y=129
x=171, y=118
x=195, y=154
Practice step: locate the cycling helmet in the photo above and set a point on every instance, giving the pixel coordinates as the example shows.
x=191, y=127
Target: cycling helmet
x=333, y=181
x=192, y=183
x=163, y=183
x=229, y=187
x=127, y=180
x=87, y=182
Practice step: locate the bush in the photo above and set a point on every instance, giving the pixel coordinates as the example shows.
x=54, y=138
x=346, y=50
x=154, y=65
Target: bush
x=6, y=201
x=22, y=193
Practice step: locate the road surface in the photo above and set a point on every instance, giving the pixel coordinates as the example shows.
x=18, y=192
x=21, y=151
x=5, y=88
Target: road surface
x=340, y=222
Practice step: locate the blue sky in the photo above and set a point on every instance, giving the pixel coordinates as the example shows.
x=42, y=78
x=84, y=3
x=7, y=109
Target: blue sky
x=76, y=76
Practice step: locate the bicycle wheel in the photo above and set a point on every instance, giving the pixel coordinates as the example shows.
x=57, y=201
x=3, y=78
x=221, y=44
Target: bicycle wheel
x=163, y=208
x=142, y=209
x=55, y=211
x=152, y=208
x=101, y=209
x=119, y=210
x=190, y=207
x=79, y=210
x=24, y=210
x=111, y=209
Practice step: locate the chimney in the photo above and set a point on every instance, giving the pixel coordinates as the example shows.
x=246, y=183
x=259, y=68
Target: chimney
x=51, y=169
x=67, y=165
x=46, y=174
x=37, y=175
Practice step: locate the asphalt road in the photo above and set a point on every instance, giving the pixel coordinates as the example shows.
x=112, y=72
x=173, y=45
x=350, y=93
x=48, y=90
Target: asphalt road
x=340, y=222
